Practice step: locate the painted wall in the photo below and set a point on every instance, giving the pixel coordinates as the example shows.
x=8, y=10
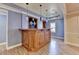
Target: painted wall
x=24, y=21
x=2, y=28
x=14, y=23
x=59, y=28
x=24, y=17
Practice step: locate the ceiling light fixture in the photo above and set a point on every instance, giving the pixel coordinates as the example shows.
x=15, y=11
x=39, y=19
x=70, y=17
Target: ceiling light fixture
x=46, y=14
x=40, y=12
x=27, y=8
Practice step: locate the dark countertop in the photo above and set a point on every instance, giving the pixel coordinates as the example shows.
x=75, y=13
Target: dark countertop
x=35, y=29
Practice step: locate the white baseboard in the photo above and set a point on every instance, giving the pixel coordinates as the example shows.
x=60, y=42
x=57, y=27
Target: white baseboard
x=73, y=44
x=4, y=43
x=11, y=47
x=58, y=37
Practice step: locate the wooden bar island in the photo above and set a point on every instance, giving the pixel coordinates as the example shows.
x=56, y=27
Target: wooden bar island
x=34, y=39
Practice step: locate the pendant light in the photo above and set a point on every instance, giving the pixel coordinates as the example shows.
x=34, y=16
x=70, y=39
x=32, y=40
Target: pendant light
x=40, y=12
x=46, y=14
x=27, y=8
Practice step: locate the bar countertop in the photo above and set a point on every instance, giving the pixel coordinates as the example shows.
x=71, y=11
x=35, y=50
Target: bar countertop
x=34, y=29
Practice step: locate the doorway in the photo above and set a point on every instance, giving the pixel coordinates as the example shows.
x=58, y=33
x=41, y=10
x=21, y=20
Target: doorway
x=57, y=28
x=53, y=28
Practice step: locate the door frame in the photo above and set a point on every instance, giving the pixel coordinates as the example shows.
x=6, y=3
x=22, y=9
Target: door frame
x=5, y=12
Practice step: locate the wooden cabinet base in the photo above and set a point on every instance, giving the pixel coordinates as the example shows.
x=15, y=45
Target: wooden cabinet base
x=33, y=50
x=33, y=39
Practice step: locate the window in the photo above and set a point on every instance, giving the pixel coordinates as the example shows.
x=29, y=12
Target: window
x=52, y=26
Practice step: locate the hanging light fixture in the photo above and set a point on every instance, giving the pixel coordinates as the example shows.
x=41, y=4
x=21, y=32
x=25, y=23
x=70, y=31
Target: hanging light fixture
x=46, y=14
x=40, y=12
x=27, y=8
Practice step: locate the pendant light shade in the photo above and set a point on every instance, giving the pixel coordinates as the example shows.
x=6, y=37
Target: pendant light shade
x=27, y=3
x=27, y=8
x=46, y=13
x=40, y=12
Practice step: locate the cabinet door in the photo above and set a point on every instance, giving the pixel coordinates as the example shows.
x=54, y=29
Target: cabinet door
x=46, y=36
x=41, y=38
x=68, y=24
x=25, y=38
x=72, y=24
x=31, y=39
x=36, y=40
x=49, y=35
x=72, y=29
x=74, y=38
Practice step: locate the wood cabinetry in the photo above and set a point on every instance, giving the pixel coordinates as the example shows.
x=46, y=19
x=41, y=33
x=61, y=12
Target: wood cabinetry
x=72, y=24
x=34, y=39
x=41, y=37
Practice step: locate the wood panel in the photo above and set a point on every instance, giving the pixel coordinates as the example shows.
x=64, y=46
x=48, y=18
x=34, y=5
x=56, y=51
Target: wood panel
x=25, y=38
x=41, y=38
x=72, y=23
x=34, y=39
x=72, y=7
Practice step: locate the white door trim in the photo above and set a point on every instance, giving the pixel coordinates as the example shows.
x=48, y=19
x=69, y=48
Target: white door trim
x=5, y=12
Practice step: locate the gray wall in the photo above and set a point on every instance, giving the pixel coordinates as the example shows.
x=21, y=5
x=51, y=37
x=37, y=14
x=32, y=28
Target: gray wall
x=24, y=21
x=14, y=23
x=3, y=20
x=59, y=27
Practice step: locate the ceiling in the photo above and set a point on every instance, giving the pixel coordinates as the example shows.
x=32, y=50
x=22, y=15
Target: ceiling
x=72, y=7
x=52, y=8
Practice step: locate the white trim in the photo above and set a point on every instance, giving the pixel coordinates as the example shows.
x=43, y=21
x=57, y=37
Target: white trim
x=16, y=10
x=9, y=8
x=65, y=25
x=73, y=44
x=11, y=47
x=7, y=31
x=58, y=37
x=71, y=33
x=4, y=43
x=5, y=12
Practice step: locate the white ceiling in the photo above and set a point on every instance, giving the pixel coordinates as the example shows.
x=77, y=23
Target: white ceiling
x=53, y=8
